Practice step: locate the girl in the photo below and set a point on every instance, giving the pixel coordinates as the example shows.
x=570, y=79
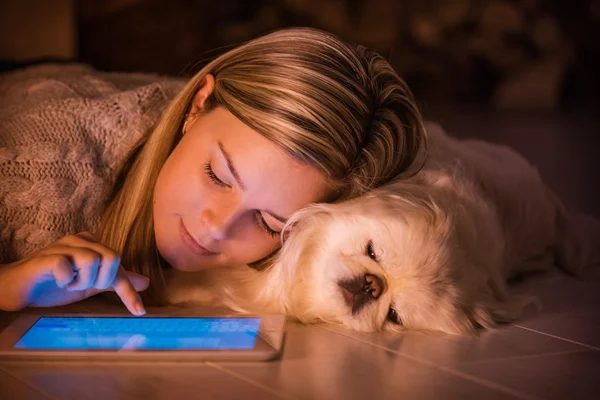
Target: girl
x=289, y=119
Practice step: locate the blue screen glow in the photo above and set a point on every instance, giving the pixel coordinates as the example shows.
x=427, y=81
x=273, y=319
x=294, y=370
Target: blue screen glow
x=116, y=333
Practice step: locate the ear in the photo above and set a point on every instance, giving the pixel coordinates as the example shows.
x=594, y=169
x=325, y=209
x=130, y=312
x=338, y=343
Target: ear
x=491, y=314
x=302, y=233
x=270, y=289
x=261, y=291
x=494, y=306
x=485, y=302
x=579, y=242
x=205, y=89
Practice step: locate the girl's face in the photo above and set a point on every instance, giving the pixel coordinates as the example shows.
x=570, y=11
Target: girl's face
x=224, y=193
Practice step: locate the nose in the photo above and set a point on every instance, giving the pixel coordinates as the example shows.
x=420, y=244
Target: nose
x=219, y=219
x=361, y=290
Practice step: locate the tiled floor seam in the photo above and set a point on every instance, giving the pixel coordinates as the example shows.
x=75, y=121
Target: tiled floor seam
x=528, y=356
x=483, y=382
x=558, y=337
x=29, y=385
x=249, y=381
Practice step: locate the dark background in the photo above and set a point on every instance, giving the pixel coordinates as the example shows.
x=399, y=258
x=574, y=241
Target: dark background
x=505, y=54
x=521, y=72
x=461, y=50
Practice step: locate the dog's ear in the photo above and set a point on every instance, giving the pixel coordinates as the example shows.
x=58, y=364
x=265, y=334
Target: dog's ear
x=268, y=290
x=485, y=302
x=300, y=236
x=578, y=245
x=493, y=305
x=491, y=314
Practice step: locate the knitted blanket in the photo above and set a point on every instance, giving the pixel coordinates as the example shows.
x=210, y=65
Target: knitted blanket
x=64, y=129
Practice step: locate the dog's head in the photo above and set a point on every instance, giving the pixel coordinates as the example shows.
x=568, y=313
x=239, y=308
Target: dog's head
x=387, y=261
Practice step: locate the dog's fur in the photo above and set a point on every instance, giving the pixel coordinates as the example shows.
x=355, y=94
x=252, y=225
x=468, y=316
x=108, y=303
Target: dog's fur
x=441, y=246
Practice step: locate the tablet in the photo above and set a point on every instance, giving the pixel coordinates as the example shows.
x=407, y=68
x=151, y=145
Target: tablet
x=95, y=337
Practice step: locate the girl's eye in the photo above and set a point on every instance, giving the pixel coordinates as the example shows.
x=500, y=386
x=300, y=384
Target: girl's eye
x=370, y=252
x=212, y=176
x=258, y=218
x=393, y=317
x=262, y=224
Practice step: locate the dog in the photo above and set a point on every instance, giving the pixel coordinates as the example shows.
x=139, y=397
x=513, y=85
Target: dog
x=433, y=252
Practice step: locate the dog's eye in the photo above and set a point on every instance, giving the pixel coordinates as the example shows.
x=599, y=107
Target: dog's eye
x=393, y=317
x=370, y=252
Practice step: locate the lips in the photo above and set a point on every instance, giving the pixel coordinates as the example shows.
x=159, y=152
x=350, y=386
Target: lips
x=191, y=243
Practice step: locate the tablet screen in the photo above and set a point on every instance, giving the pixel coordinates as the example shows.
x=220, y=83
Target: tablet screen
x=116, y=333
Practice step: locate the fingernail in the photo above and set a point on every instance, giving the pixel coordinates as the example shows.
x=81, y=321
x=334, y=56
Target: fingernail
x=139, y=308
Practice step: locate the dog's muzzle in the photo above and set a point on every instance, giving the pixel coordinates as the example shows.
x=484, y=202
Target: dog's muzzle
x=360, y=290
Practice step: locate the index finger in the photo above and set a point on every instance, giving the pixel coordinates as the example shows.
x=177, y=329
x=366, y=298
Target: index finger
x=127, y=293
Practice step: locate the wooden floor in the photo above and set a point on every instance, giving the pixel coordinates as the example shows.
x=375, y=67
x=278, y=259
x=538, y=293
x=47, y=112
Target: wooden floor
x=554, y=355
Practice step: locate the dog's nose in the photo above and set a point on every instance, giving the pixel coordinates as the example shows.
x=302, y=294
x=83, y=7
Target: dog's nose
x=373, y=285
x=360, y=290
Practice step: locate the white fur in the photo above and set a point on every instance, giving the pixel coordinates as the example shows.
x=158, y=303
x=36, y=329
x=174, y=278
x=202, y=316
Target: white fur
x=446, y=241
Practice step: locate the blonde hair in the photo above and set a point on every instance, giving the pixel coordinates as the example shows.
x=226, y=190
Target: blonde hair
x=339, y=108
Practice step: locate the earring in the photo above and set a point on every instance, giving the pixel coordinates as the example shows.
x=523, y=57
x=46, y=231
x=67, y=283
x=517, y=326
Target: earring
x=185, y=123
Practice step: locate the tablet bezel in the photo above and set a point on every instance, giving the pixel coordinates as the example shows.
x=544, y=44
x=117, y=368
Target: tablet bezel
x=268, y=345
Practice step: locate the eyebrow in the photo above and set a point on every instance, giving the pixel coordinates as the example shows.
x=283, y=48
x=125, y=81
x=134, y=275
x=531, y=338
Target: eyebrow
x=237, y=178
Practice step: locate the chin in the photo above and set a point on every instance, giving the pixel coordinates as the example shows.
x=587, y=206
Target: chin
x=433, y=252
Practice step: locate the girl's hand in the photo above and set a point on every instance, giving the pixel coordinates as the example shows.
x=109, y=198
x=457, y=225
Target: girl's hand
x=71, y=269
